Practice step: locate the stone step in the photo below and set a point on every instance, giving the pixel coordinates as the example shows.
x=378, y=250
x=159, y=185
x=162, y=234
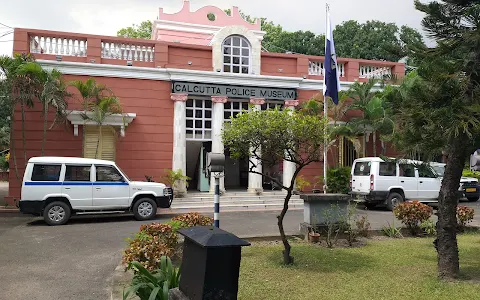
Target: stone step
x=237, y=198
x=231, y=207
x=244, y=204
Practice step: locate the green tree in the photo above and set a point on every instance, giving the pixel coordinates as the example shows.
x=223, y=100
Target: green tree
x=20, y=85
x=54, y=95
x=98, y=102
x=374, y=117
x=270, y=137
x=437, y=109
x=370, y=40
x=142, y=31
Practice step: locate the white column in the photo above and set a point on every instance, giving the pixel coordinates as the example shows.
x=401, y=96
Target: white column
x=179, y=137
x=217, y=126
x=255, y=180
x=288, y=166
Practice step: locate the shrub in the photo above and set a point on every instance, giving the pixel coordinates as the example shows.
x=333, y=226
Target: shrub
x=301, y=183
x=412, y=214
x=428, y=227
x=153, y=285
x=193, y=219
x=338, y=180
x=147, y=250
x=392, y=231
x=473, y=174
x=156, y=240
x=464, y=215
x=363, y=226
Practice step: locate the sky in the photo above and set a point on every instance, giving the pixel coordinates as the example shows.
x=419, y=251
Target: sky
x=105, y=17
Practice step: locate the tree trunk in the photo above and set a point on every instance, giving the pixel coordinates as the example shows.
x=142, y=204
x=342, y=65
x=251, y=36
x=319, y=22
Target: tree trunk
x=374, y=144
x=98, y=141
x=45, y=118
x=12, y=143
x=24, y=141
x=446, y=241
x=287, y=259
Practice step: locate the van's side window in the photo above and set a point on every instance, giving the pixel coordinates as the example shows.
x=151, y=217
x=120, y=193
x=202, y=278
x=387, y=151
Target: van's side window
x=46, y=172
x=407, y=170
x=388, y=169
x=425, y=172
x=362, y=168
x=77, y=173
x=108, y=174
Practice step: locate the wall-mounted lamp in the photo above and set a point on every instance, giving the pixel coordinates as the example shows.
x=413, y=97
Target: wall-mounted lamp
x=190, y=63
x=59, y=58
x=219, y=70
x=129, y=63
x=92, y=61
x=280, y=70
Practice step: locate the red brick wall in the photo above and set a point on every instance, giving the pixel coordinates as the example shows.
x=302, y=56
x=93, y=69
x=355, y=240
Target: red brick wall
x=146, y=148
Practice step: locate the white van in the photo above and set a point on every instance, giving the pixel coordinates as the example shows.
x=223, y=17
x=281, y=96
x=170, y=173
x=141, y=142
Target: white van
x=378, y=182
x=468, y=185
x=57, y=187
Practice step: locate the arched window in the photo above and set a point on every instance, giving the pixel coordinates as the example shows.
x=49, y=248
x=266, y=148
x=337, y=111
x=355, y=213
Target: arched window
x=236, y=55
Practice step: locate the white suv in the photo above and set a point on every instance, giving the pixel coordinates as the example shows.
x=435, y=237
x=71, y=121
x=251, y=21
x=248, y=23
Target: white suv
x=376, y=182
x=57, y=187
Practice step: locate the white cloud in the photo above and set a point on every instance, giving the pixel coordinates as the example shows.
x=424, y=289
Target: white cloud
x=106, y=17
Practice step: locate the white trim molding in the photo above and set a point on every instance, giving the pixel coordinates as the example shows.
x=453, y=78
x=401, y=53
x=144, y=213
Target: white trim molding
x=121, y=120
x=168, y=74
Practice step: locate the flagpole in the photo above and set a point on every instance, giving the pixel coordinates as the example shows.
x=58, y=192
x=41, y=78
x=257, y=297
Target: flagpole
x=325, y=114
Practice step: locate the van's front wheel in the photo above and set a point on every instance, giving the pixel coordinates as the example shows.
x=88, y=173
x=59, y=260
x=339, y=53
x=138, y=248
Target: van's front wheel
x=393, y=200
x=145, y=209
x=56, y=213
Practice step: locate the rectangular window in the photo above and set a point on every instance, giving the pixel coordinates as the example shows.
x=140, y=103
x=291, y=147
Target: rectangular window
x=108, y=174
x=77, y=173
x=407, y=170
x=388, y=169
x=424, y=171
x=99, y=145
x=46, y=172
x=362, y=168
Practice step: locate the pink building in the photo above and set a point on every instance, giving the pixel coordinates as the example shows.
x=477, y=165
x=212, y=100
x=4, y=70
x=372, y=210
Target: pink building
x=177, y=90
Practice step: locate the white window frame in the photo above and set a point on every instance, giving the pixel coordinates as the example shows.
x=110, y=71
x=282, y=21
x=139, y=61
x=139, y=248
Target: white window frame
x=244, y=44
x=206, y=133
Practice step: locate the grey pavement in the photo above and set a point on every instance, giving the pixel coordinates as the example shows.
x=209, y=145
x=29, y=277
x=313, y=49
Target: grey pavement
x=77, y=260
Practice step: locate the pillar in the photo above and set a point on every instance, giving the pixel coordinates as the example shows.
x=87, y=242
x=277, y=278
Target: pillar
x=288, y=166
x=255, y=180
x=179, y=161
x=217, y=126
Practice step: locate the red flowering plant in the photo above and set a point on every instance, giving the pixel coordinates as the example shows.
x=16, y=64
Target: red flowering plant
x=464, y=215
x=412, y=214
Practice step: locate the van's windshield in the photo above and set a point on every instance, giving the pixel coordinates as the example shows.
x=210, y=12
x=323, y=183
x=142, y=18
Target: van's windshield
x=440, y=170
x=123, y=173
x=362, y=168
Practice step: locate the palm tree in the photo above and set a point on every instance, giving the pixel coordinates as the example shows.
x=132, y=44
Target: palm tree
x=99, y=111
x=54, y=94
x=374, y=116
x=19, y=85
x=98, y=102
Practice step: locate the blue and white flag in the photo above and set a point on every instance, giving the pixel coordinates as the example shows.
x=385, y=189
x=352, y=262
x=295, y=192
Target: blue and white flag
x=331, y=82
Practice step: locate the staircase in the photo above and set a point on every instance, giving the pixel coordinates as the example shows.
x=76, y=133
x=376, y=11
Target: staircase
x=234, y=201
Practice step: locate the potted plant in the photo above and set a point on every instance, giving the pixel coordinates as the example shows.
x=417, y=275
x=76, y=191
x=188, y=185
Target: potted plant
x=301, y=183
x=319, y=182
x=173, y=178
x=314, y=235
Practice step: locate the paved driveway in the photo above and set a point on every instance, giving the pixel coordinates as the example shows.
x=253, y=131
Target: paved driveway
x=76, y=261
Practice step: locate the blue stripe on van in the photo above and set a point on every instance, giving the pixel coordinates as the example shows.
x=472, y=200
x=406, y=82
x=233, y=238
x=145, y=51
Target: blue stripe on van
x=73, y=183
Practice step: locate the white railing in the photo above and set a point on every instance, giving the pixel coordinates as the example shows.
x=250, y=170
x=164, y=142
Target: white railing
x=128, y=51
x=316, y=68
x=58, y=46
x=375, y=72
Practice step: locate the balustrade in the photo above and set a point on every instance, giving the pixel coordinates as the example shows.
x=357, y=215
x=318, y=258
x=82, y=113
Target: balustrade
x=369, y=71
x=125, y=51
x=40, y=44
x=316, y=68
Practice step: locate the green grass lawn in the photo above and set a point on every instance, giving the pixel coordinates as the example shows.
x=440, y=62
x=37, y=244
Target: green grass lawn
x=390, y=269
